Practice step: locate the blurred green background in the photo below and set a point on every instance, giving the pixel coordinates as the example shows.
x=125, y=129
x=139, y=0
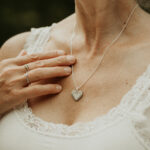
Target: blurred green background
x=18, y=16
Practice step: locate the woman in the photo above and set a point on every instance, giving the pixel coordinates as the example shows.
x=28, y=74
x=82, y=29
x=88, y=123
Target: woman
x=111, y=110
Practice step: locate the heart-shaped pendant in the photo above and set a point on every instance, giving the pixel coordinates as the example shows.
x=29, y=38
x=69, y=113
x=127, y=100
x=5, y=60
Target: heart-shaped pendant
x=77, y=94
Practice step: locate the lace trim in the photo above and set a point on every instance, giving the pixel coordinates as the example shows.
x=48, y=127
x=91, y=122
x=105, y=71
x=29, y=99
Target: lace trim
x=132, y=104
x=37, y=38
x=78, y=129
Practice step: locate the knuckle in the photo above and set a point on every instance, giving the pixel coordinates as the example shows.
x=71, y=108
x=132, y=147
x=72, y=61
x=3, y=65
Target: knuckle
x=39, y=63
x=14, y=92
x=6, y=72
x=62, y=59
x=59, y=60
x=14, y=69
x=65, y=58
x=33, y=57
x=9, y=71
x=9, y=86
x=5, y=61
x=10, y=83
x=6, y=64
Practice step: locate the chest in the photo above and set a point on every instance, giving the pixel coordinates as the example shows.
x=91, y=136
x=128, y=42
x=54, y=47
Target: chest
x=103, y=91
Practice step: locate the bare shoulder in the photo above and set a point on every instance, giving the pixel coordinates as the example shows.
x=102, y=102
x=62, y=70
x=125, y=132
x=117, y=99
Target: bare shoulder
x=61, y=34
x=13, y=46
x=66, y=23
x=64, y=27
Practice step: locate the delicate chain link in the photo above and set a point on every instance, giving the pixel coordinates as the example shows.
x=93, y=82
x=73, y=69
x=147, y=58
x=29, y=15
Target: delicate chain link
x=117, y=37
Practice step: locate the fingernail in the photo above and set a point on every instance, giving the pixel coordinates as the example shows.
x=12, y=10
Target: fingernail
x=58, y=87
x=67, y=69
x=70, y=58
x=60, y=52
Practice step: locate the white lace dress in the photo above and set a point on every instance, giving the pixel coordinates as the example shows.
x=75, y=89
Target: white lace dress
x=125, y=127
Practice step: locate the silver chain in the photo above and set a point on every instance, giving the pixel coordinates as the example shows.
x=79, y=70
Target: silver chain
x=117, y=37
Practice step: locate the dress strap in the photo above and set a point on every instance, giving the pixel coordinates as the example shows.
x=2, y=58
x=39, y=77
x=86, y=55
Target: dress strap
x=37, y=39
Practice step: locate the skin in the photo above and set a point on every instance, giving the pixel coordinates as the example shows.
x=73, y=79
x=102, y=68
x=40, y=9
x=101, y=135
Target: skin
x=119, y=69
x=14, y=88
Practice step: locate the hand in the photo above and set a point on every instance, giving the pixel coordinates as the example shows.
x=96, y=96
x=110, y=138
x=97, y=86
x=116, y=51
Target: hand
x=14, y=89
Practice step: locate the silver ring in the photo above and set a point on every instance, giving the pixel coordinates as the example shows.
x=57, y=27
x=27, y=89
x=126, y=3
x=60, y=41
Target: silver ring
x=27, y=78
x=26, y=74
x=26, y=67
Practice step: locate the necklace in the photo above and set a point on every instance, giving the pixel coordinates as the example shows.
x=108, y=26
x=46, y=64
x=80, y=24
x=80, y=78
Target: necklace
x=76, y=93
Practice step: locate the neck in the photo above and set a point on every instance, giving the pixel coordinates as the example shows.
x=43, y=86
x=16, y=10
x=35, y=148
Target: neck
x=99, y=21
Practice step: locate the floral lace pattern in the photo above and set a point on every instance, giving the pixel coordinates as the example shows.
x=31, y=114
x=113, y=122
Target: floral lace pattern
x=132, y=104
x=78, y=129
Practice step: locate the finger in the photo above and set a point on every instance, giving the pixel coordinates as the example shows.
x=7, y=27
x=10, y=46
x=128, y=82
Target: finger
x=45, y=73
x=52, y=62
x=37, y=56
x=12, y=60
x=40, y=90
